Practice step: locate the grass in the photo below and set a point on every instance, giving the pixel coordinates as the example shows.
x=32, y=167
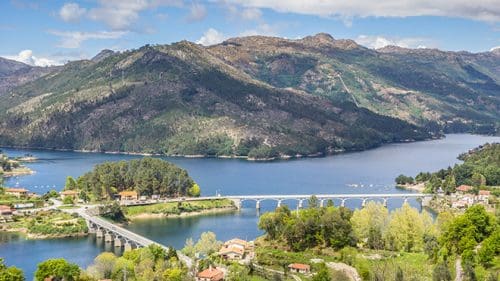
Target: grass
x=49, y=223
x=176, y=208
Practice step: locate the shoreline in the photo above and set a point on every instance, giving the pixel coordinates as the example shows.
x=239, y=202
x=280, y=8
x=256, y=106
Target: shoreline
x=419, y=187
x=35, y=236
x=145, y=216
x=252, y=159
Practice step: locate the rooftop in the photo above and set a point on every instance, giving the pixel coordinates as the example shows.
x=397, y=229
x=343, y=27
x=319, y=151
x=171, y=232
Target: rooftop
x=211, y=273
x=300, y=266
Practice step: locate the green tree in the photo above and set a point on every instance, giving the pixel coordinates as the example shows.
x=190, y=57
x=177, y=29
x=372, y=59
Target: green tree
x=11, y=273
x=194, y=190
x=207, y=244
x=70, y=183
x=441, y=272
x=68, y=200
x=58, y=269
x=313, y=202
x=323, y=274
x=103, y=265
x=173, y=274
x=369, y=222
x=449, y=184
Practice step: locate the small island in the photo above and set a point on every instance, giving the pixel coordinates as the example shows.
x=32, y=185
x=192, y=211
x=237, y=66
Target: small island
x=13, y=167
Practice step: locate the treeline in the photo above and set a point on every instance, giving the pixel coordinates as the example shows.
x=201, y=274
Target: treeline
x=481, y=168
x=147, y=176
x=473, y=236
x=6, y=164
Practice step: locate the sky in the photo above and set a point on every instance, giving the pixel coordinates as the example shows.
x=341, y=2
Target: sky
x=50, y=32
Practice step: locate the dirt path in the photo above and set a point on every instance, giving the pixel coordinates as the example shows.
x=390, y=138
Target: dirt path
x=458, y=270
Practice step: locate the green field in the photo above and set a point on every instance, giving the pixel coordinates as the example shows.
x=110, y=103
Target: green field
x=176, y=208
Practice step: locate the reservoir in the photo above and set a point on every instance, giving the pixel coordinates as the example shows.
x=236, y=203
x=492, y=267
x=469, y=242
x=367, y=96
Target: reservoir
x=371, y=171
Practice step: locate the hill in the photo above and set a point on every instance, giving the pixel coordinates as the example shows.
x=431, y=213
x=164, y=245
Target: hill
x=256, y=96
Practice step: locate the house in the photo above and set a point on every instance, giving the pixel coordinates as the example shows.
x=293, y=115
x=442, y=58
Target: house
x=459, y=204
x=210, y=274
x=128, y=195
x=299, y=268
x=69, y=193
x=235, y=249
x=464, y=188
x=483, y=195
x=5, y=210
x=18, y=192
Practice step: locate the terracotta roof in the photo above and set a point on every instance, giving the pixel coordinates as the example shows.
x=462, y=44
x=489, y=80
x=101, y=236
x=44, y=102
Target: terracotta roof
x=128, y=193
x=227, y=250
x=299, y=266
x=484, y=192
x=464, y=188
x=5, y=208
x=237, y=241
x=17, y=190
x=213, y=274
x=69, y=192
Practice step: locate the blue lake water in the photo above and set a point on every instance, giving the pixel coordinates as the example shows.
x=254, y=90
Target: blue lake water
x=373, y=171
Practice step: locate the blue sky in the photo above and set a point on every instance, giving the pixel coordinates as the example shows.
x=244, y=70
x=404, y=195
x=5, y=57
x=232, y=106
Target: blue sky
x=52, y=32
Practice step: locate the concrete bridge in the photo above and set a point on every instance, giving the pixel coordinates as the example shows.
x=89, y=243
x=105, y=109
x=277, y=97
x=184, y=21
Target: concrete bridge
x=119, y=236
x=322, y=198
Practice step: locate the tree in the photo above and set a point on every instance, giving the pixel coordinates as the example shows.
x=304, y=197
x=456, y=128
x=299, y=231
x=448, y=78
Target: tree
x=449, y=184
x=402, y=180
x=103, y=266
x=369, y=222
x=207, y=244
x=441, y=272
x=323, y=274
x=11, y=273
x=188, y=249
x=68, y=200
x=173, y=274
x=399, y=274
x=194, y=190
x=70, y=183
x=58, y=269
x=313, y=202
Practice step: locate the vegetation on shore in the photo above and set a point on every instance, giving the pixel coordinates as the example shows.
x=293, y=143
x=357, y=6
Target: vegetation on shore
x=382, y=245
x=480, y=169
x=12, y=167
x=48, y=224
x=147, y=176
x=177, y=208
x=11, y=200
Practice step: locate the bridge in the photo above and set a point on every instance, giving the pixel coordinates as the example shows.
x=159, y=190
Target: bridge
x=324, y=197
x=119, y=236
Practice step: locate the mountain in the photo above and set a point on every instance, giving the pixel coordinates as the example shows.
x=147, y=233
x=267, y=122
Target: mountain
x=253, y=96
x=180, y=99
x=14, y=73
x=457, y=91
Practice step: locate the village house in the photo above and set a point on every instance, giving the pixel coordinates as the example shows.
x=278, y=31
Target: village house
x=464, y=188
x=235, y=249
x=5, y=210
x=483, y=195
x=128, y=195
x=18, y=192
x=210, y=274
x=69, y=193
x=299, y=268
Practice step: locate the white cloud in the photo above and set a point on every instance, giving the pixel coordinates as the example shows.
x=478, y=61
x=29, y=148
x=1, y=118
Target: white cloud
x=377, y=42
x=197, y=12
x=71, y=12
x=122, y=14
x=27, y=57
x=261, y=29
x=73, y=39
x=484, y=10
x=251, y=14
x=211, y=37
x=497, y=48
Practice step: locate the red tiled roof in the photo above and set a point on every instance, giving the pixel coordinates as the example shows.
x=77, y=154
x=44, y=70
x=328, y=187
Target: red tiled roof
x=5, y=208
x=128, y=193
x=299, y=266
x=213, y=274
x=227, y=250
x=69, y=192
x=464, y=188
x=16, y=190
x=484, y=192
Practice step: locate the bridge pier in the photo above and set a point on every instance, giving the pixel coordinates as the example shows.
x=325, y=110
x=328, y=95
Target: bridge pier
x=342, y=203
x=301, y=204
x=118, y=242
x=279, y=203
x=237, y=203
x=385, y=202
x=99, y=233
x=322, y=203
x=405, y=200
x=108, y=237
x=127, y=246
x=363, y=204
x=257, y=204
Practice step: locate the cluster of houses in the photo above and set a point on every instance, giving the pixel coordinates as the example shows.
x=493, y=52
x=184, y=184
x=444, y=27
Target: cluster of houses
x=242, y=251
x=463, y=198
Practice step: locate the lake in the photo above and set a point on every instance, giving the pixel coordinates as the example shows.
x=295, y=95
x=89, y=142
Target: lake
x=371, y=171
